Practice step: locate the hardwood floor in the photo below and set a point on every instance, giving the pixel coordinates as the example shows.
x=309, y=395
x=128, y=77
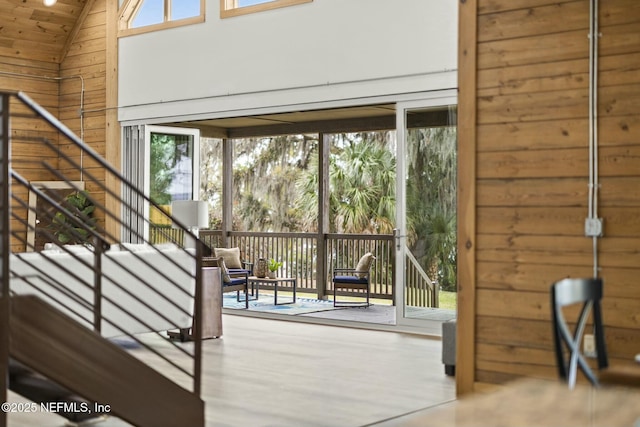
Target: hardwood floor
x=265, y=372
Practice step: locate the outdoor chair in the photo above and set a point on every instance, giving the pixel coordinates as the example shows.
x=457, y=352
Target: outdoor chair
x=572, y=292
x=353, y=279
x=235, y=265
x=233, y=261
x=236, y=281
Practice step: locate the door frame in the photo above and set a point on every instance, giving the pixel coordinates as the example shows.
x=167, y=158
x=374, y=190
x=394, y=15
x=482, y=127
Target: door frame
x=439, y=99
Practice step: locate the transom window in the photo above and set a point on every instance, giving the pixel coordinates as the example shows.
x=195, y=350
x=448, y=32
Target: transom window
x=229, y=8
x=139, y=16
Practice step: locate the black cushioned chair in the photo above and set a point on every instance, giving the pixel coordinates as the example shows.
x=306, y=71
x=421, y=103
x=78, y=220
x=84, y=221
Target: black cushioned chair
x=353, y=279
x=573, y=292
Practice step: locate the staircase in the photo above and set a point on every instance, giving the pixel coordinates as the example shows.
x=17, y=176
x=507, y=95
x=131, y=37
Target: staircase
x=55, y=359
x=48, y=341
x=43, y=391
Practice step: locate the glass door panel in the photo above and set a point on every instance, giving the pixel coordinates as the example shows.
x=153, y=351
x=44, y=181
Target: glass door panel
x=426, y=235
x=172, y=162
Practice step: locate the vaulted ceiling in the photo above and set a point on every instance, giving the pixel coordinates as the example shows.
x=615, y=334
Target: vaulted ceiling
x=33, y=31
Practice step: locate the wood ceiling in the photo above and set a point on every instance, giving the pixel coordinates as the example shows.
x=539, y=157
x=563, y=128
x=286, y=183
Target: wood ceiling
x=335, y=120
x=32, y=31
x=351, y=119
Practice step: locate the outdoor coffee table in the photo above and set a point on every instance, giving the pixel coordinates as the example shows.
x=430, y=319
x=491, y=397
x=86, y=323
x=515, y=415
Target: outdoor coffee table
x=277, y=282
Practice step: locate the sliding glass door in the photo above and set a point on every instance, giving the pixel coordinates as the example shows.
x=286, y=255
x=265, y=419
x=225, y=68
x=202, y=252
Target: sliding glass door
x=426, y=210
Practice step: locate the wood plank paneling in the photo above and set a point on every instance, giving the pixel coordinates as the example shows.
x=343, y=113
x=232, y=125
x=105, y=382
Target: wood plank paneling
x=619, y=191
x=533, y=50
x=533, y=192
x=570, y=162
x=573, y=162
x=533, y=78
x=533, y=135
x=62, y=75
x=508, y=353
x=532, y=220
x=466, y=194
x=532, y=176
x=32, y=31
x=492, y=6
x=527, y=277
x=621, y=221
x=519, y=332
x=86, y=58
x=511, y=371
x=530, y=21
x=539, y=106
x=512, y=304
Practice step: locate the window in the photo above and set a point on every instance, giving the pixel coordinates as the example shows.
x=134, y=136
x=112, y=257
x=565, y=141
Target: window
x=229, y=8
x=173, y=159
x=139, y=16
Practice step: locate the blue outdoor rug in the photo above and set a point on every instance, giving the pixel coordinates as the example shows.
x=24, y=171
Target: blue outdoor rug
x=265, y=304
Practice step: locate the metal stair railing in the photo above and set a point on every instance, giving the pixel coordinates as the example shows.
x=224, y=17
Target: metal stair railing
x=36, y=148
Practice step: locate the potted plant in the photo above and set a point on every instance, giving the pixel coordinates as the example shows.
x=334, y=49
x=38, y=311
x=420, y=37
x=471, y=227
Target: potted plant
x=273, y=266
x=66, y=230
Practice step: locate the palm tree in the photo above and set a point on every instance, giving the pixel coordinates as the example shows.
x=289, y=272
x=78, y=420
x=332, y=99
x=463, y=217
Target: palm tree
x=276, y=188
x=362, y=172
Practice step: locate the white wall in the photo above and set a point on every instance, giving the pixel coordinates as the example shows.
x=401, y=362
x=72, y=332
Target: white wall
x=328, y=52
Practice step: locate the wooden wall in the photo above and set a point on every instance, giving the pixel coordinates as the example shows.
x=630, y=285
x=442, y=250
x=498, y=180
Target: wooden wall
x=36, y=78
x=55, y=81
x=524, y=82
x=86, y=62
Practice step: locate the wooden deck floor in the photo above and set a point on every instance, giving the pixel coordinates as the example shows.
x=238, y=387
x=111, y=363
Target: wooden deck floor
x=380, y=316
x=266, y=372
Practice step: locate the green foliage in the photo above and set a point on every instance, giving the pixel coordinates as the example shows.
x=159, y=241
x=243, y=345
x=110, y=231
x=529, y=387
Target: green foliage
x=273, y=265
x=362, y=171
x=68, y=231
x=431, y=201
x=276, y=181
x=264, y=179
x=166, y=152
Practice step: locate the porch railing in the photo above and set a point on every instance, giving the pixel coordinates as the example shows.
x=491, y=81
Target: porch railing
x=420, y=291
x=300, y=257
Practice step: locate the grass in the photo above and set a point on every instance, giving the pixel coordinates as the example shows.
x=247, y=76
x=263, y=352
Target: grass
x=448, y=300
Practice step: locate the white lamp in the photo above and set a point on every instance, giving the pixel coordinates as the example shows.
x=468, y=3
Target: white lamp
x=49, y=2
x=193, y=214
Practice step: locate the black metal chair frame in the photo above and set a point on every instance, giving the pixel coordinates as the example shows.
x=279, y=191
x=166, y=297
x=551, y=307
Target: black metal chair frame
x=347, y=278
x=568, y=292
x=237, y=285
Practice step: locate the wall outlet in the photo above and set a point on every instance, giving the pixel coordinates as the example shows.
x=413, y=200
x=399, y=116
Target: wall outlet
x=589, y=345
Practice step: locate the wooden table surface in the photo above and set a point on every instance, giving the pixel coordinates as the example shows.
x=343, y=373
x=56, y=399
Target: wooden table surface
x=539, y=403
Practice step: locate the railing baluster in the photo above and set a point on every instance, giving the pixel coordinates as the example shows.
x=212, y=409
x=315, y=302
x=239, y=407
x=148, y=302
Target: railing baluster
x=69, y=168
x=299, y=252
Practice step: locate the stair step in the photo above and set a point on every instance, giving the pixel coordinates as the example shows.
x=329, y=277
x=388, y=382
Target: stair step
x=79, y=359
x=42, y=390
